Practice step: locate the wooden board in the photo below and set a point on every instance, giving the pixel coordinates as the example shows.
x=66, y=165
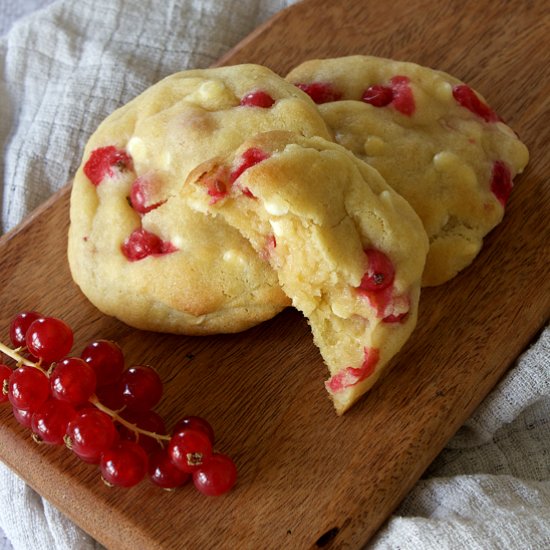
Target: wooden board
x=307, y=477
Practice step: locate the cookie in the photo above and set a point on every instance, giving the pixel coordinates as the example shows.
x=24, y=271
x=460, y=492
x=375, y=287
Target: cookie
x=135, y=250
x=347, y=249
x=433, y=139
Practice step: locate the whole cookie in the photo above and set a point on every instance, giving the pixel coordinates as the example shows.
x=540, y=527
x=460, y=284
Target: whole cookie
x=135, y=249
x=433, y=139
x=348, y=250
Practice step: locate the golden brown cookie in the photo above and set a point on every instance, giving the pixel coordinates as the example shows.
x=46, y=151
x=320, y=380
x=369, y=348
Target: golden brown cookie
x=348, y=250
x=433, y=139
x=136, y=251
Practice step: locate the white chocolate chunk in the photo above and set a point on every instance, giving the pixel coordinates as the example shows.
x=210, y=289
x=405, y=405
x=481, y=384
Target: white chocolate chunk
x=137, y=149
x=276, y=208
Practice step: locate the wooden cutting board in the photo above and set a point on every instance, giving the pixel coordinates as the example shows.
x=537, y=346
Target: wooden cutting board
x=308, y=478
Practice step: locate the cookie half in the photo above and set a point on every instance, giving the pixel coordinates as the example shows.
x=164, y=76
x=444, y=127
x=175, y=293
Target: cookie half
x=433, y=139
x=347, y=249
x=135, y=250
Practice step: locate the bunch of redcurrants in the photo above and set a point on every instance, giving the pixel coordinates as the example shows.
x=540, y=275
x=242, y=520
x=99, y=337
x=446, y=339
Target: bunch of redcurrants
x=103, y=411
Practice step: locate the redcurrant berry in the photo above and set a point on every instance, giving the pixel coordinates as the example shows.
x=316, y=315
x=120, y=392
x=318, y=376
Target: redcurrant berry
x=380, y=271
x=188, y=449
x=250, y=157
x=124, y=465
x=50, y=421
x=28, y=388
x=217, y=183
x=142, y=191
x=49, y=338
x=147, y=420
x=164, y=473
x=111, y=396
x=142, y=243
x=141, y=388
x=20, y=325
x=501, y=182
x=90, y=433
x=216, y=475
x=320, y=92
x=23, y=417
x=106, y=162
x=195, y=423
x=378, y=95
x=73, y=381
x=107, y=360
x=466, y=97
x=258, y=98
x=395, y=318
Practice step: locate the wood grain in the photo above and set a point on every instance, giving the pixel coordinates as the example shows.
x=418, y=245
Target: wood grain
x=308, y=478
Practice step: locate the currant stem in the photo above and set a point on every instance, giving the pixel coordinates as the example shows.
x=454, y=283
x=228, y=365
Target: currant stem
x=13, y=353
x=133, y=427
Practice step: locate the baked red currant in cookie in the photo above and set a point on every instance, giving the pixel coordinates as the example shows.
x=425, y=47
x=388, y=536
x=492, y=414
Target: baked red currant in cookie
x=434, y=139
x=135, y=249
x=347, y=249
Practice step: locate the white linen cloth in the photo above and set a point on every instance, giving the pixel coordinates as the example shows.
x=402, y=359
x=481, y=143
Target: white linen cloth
x=64, y=68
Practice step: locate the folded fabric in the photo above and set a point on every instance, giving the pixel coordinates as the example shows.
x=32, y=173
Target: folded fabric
x=71, y=64
x=490, y=487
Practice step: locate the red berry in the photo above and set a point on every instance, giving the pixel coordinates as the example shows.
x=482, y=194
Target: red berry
x=217, y=189
x=20, y=325
x=50, y=421
x=49, y=338
x=403, y=99
x=380, y=271
x=217, y=183
x=88, y=405
x=250, y=157
x=466, y=97
x=142, y=243
x=399, y=318
x=378, y=95
x=164, y=473
x=90, y=433
x=149, y=421
x=350, y=376
x=73, y=381
x=195, y=423
x=5, y=373
x=320, y=92
x=103, y=161
x=23, y=417
x=124, y=465
x=501, y=182
x=216, y=476
x=141, y=194
x=380, y=300
x=111, y=396
x=188, y=449
x=141, y=388
x=107, y=360
x=258, y=98
x=28, y=388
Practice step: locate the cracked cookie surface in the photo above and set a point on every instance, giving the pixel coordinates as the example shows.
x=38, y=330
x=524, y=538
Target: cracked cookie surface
x=347, y=249
x=433, y=139
x=135, y=249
